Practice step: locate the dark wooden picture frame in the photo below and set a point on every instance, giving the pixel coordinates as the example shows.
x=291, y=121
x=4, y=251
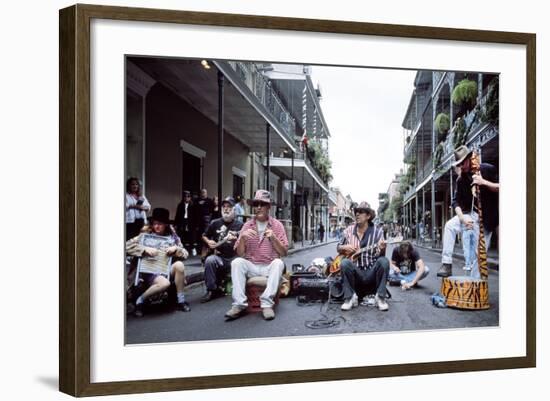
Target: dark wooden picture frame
x=75, y=206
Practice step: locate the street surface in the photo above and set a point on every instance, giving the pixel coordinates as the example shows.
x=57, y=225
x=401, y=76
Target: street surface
x=409, y=310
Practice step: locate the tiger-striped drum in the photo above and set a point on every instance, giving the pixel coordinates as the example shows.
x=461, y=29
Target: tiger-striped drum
x=464, y=292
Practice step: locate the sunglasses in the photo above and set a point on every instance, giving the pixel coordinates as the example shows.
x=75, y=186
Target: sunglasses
x=259, y=204
x=360, y=210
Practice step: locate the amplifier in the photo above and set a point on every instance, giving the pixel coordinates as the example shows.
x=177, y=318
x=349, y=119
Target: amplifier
x=310, y=285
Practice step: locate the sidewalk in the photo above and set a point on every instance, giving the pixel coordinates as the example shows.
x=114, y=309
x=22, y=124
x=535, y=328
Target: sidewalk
x=492, y=254
x=194, y=271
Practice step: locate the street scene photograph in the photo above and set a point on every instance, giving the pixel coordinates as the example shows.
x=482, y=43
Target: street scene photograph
x=268, y=200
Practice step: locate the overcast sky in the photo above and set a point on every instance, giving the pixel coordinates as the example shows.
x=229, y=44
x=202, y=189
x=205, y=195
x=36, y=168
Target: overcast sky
x=364, y=109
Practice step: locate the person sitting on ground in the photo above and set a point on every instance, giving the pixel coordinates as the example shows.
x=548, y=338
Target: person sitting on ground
x=156, y=284
x=261, y=245
x=220, y=237
x=406, y=267
x=370, y=272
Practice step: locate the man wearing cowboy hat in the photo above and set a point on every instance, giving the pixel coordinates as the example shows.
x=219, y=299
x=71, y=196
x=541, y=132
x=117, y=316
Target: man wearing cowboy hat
x=462, y=203
x=220, y=237
x=261, y=245
x=368, y=274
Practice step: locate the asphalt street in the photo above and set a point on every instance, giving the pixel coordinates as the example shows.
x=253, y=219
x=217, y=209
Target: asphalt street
x=409, y=310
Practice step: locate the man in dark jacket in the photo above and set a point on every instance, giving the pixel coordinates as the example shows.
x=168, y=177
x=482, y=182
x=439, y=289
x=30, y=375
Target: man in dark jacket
x=466, y=217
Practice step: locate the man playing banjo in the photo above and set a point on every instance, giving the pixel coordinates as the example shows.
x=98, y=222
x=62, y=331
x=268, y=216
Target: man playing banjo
x=369, y=273
x=220, y=238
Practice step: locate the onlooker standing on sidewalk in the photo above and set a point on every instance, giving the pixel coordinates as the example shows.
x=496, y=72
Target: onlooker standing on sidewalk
x=260, y=246
x=321, y=232
x=239, y=209
x=137, y=207
x=184, y=221
x=205, y=207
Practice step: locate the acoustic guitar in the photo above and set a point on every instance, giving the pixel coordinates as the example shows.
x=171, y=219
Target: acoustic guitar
x=354, y=255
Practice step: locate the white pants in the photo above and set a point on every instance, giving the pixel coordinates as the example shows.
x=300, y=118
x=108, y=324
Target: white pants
x=241, y=269
x=452, y=228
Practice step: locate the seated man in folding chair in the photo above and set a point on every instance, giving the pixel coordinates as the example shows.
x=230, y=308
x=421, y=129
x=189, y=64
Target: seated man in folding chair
x=159, y=246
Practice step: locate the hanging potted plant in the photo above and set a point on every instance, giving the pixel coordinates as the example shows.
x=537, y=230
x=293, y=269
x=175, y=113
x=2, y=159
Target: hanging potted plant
x=442, y=124
x=465, y=94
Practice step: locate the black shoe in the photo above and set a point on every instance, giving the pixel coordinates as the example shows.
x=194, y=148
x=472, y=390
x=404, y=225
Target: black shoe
x=138, y=312
x=207, y=297
x=445, y=270
x=184, y=307
x=394, y=281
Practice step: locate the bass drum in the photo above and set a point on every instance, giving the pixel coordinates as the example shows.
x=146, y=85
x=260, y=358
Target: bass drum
x=464, y=292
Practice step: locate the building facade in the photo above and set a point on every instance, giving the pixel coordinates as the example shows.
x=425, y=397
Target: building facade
x=446, y=110
x=231, y=128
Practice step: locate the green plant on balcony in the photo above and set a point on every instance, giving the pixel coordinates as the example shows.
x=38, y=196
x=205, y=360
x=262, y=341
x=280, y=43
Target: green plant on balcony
x=438, y=153
x=319, y=161
x=442, y=124
x=465, y=94
x=460, y=133
x=490, y=112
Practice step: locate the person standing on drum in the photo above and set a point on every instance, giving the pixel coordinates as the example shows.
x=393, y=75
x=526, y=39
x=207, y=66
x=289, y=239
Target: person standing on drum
x=466, y=218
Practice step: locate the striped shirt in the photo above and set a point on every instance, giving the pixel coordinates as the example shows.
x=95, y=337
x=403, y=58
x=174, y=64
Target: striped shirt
x=371, y=237
x=259, y=250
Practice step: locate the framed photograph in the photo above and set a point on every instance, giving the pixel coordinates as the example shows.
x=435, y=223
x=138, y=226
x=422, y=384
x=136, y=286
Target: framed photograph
x=383, y=175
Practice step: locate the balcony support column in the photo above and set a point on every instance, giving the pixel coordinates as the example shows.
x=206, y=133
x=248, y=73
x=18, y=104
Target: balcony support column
x=292, y=191
x=220, y=135
x=434, y=217
x=268, y=155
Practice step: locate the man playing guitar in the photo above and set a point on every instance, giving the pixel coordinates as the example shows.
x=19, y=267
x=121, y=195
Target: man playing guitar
x=368, y=274
x=220, y=237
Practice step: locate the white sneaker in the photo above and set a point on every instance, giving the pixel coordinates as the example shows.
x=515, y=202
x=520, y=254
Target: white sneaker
x=381, y=303
x=467, y=268
x=368, y=300
x=350, y=303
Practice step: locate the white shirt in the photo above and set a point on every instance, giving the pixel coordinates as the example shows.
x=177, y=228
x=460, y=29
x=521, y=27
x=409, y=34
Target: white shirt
x=133, y=214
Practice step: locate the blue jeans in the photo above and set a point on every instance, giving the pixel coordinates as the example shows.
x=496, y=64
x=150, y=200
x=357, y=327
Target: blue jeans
x=469, y=247
x=409, y=277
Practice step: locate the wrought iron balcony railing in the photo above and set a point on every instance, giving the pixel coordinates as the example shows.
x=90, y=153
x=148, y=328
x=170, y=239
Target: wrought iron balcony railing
x=262, y=89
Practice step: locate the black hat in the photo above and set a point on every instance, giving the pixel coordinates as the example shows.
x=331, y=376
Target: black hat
x=161, y=215
x=186, y=193
x=229, y=200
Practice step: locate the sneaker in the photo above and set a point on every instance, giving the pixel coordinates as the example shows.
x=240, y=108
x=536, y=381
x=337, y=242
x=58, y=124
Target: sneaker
x=445, y=270
x=138, y=311
x=235, y=312
x=268, y=313
x=381, y=303
x=467, y=268
x=394, y=281
x=184, y=307
x=350, y=303
x=368, y=300
x=207, y=297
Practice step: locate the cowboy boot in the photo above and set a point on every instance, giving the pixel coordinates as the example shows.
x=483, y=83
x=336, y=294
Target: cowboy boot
x=445, y=270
